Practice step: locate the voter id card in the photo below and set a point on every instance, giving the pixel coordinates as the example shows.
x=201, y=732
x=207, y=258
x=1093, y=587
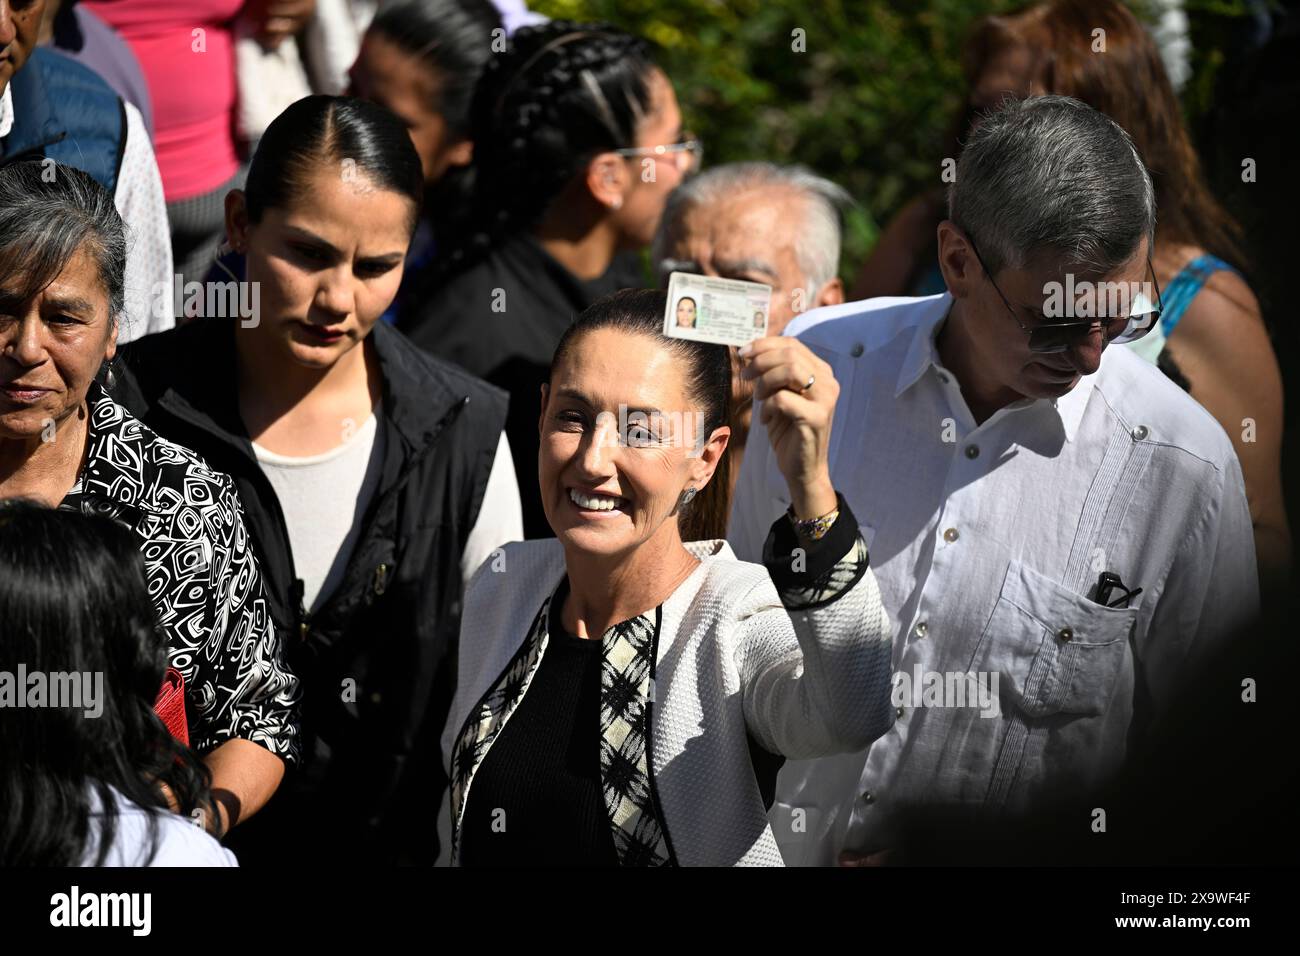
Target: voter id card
x=720, y=311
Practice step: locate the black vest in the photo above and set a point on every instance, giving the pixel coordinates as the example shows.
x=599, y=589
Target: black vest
x=65, y=112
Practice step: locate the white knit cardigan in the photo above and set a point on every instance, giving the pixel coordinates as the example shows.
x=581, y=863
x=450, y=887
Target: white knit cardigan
x=730, y=658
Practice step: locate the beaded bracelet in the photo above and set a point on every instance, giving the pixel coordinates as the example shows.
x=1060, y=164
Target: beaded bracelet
x=813, y=529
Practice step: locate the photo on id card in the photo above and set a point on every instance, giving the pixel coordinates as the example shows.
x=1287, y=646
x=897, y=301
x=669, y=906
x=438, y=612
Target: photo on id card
x=719, y=311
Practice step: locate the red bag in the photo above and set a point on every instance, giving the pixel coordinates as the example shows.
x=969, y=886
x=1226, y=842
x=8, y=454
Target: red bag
x=170, y=705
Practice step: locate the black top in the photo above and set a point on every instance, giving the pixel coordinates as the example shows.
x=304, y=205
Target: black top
x=536, y=799
x=501, y=319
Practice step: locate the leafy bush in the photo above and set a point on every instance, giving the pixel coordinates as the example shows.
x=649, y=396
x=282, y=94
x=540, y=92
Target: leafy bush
x=860, y=92
x=863, y=92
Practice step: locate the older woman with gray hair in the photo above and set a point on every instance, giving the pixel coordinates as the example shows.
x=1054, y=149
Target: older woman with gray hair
x=66, y=443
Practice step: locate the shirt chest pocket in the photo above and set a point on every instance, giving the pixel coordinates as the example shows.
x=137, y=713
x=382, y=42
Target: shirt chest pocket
x=1053, y=651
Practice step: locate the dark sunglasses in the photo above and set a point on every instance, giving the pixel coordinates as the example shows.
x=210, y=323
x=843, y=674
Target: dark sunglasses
x=1059, y=336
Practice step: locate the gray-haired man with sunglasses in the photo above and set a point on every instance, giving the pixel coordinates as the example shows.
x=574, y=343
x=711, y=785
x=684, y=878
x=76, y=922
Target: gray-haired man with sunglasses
x=1060, y=535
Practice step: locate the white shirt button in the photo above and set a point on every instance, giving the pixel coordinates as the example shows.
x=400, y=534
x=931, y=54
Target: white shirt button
x=951, y=535
x=921, y=628
x=1140, y=432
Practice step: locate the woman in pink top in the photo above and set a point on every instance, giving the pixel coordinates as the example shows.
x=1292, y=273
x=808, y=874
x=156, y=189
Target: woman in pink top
x=187, y=53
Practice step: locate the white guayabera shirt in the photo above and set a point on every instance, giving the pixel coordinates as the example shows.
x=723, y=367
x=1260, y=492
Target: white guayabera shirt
x=987, y=542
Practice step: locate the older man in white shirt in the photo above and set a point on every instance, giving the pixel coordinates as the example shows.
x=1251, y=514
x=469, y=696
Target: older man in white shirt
x=779, y=225
x=1002, y=461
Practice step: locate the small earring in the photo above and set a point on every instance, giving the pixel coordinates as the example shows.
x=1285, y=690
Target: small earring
x=616, y=202
x=687, y=496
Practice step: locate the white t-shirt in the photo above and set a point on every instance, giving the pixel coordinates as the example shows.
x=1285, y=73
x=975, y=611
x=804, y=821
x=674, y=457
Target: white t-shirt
x=180, y=841
x=324, y=498
x=500, y=518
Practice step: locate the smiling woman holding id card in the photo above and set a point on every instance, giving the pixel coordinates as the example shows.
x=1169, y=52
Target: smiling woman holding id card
x=623, y=697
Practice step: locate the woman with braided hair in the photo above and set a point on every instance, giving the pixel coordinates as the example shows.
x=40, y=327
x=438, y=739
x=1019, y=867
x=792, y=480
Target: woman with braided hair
x=577, y=144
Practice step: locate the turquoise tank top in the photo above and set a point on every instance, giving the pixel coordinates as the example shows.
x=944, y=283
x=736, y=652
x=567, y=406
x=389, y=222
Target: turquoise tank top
x=1182, y=289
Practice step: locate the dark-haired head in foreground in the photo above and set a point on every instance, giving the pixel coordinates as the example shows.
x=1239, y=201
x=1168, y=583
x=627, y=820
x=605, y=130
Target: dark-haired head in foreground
x=73, y=600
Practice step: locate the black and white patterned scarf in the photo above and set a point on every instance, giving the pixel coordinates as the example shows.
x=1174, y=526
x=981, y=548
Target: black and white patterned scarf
x=626, y=695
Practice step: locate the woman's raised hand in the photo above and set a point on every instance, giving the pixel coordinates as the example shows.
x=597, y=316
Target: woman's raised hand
x=798, y=392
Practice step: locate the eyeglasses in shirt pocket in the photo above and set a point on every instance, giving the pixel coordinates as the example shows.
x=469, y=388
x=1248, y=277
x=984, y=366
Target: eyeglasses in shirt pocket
x=1056, y=651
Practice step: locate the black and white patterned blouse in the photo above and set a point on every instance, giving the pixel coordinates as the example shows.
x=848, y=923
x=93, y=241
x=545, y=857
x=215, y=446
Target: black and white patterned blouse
x=202, y=575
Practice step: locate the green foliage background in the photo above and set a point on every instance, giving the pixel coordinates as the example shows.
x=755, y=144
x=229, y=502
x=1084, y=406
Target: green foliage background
x=869, y=103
